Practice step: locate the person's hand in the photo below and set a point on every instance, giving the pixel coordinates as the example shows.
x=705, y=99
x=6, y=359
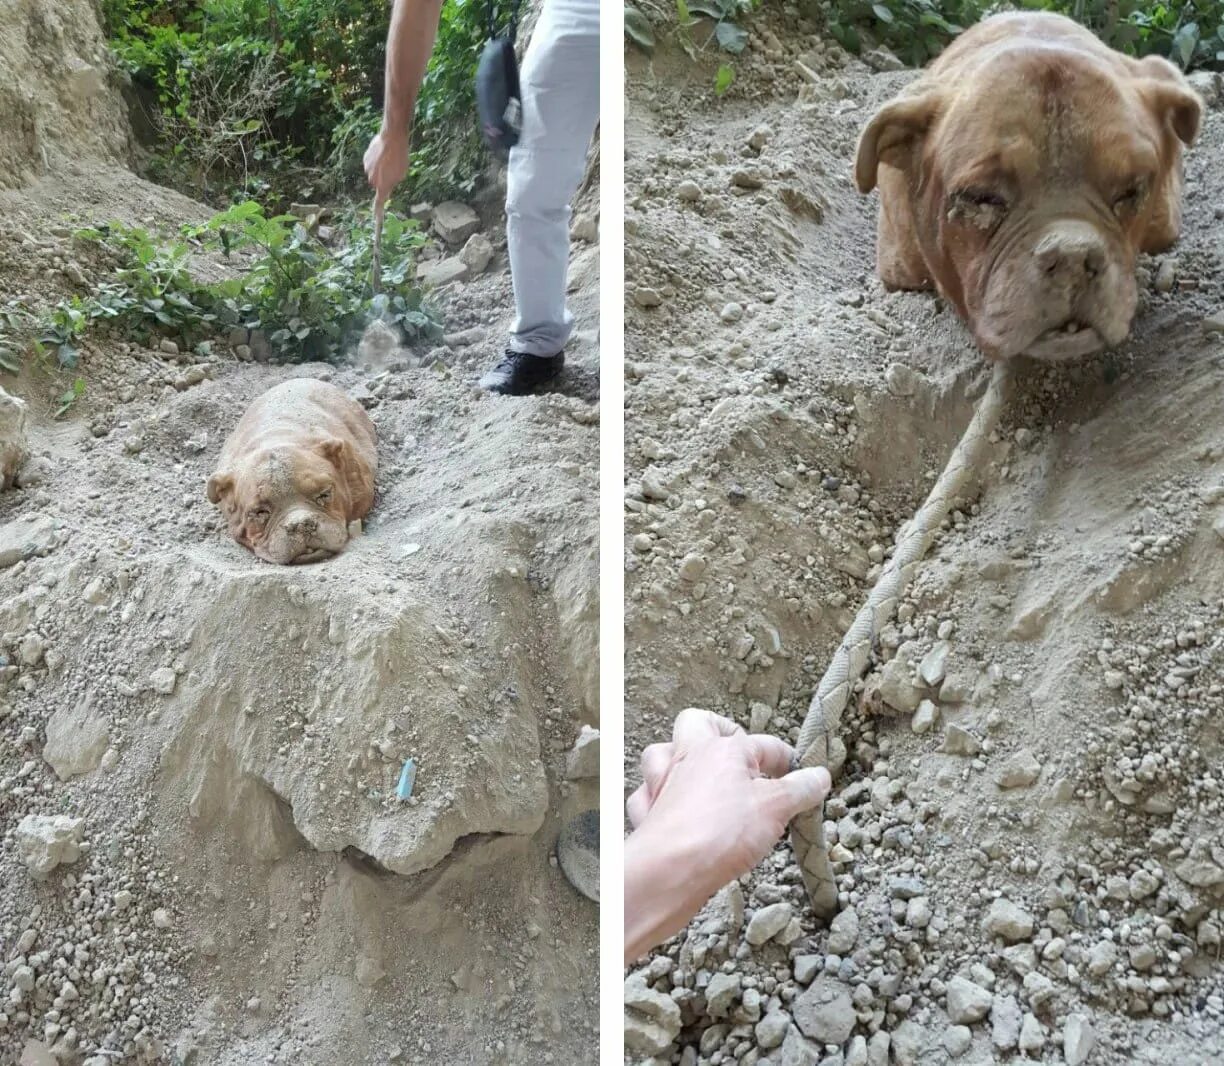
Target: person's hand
x=386, y=163
x=713, y=803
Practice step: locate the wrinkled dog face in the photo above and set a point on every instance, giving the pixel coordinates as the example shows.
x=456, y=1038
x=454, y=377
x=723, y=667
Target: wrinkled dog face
x=287, y=505
x=1032, y=194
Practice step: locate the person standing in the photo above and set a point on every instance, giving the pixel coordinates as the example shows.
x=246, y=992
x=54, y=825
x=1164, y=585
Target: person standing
x=560, y=96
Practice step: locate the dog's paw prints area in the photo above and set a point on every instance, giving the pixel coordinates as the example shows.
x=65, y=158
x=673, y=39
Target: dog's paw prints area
x=1025, y=824
x=260, y=878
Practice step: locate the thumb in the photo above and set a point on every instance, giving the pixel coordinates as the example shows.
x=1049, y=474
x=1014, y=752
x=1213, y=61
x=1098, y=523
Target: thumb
x=799, y=791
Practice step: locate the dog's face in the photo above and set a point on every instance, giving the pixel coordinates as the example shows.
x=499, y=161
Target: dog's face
x=288, y=505
x=1033, y=185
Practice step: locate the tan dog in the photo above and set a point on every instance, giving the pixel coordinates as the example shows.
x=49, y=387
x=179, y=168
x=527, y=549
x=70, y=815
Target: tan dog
x=1022, y=174
x=298, y=468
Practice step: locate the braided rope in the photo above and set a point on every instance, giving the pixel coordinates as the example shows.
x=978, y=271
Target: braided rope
x=850, y=659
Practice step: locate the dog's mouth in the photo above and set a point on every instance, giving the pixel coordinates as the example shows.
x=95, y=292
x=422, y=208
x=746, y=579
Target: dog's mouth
x=313, y=555
x=1069, y=340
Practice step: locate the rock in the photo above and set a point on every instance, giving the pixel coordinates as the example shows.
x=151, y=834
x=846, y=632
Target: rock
x=896, y=686
x=477, y=253
x=77, y=738
x=967, y=1002
x=843, y=932
x=918, y=912
x=652, y=1020
x=934, y=664
x=1101, y=958
x=37, y=470
x=956, y=1040
x=798, y=1051
x=722, y=993
x=163, y=680
x=771, y=1030
x=1020, y=771
x=30, y=650
x=908, y=1042
x=438, y=272
x=689, y=192
x=583, y=759
x=767, y=923
x=644, y=296
x=901, y=380
x=925, y=718
x=454, y=222
x=1078, y=1040
x=36, y=1053
x=692, y=566
x=877, y=1049
x=959, y=741
x=47, y=841
x=1004, y=919
x=25, y=537
x=825, y=1011
x=856, y=1053
x=759, y=715
x=760, y=137
x=1005, y=1019
x=1032, y=1035
x=731, y=312
x=168, y=347
x=162, y=919
x=806, y=967
x=14, y=439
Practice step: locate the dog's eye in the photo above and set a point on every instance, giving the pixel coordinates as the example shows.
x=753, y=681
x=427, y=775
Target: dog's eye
x=976, y=207
x=982, y=198
x=1131, y=197
x=323, y=497
x=259, y=516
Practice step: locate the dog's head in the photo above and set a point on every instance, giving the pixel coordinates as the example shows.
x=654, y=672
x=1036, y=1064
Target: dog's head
x=290, y=504
x=1034, y=178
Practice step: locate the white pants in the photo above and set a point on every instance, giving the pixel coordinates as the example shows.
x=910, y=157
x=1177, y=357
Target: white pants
x=560, y=87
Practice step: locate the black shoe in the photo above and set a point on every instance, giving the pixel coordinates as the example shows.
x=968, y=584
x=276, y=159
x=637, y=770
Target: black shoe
x=519, y=373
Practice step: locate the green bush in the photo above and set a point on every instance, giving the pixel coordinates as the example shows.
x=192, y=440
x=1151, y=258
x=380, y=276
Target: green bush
x=310, y=301
x=280, y=97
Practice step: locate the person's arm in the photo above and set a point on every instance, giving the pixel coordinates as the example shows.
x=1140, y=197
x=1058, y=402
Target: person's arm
x=410, y=43
x=712, y=804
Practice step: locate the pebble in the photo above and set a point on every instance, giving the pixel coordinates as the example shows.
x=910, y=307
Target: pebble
x=843, y=933
x=956, y=1040
x=1032, y=1035
x=967, y=1002
x=731, y=312
x=767, y=923
x=934, y=664
x=824, y=1012
x=47, y=841
x=771, y=1030
x=163, y=680
x=1020, y=771
x=690, y=192
x=1078, y=1040
x=721, y=994
x=925, y=718
x=1005, y=1021
x=692, y=566
x=1005, y=919
x=959, y=741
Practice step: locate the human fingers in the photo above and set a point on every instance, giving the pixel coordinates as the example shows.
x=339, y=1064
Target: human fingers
x=655, y=763
x=694, y=726
x=774, y=757
x=637, y=806
x=796, y=792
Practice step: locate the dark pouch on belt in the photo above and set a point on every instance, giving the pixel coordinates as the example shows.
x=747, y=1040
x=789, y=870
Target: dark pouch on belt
x=498, y=99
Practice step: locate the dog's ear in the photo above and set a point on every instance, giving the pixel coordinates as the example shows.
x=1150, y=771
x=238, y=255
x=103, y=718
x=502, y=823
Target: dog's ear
x=218, y=486
x=892, y=134
x=351, y=473
x=1165, y=90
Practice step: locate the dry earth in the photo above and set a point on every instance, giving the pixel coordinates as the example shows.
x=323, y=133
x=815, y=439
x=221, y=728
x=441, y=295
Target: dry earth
x=220, y=738
x=1027, y=826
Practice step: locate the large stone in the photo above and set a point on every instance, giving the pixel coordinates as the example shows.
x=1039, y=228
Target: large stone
x=771, y=1030
x=652, y=1019
x=908, y=1042
x=438, y=272
x=583, y=759
x=1020, y=771
x=1005, y=1020
x=26, y=537
x=896, y=687
x=1078, y=1040
x=1004, y=919
x=825, y=1012
x=797, y=1050
x=967, y=1002
x=14, y=442
x=843, y=932
x=77, y=738
x=477, y=253
x=722, y=993
x=454, y=222
x=45, y=841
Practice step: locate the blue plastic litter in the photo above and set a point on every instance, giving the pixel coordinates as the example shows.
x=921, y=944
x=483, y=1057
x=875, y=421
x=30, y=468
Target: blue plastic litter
x=407, y=779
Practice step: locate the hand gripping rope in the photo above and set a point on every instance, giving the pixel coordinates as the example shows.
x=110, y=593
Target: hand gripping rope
x=850, y=659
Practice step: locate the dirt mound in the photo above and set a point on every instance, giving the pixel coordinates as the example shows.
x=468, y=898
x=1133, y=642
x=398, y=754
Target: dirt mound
x=1026, y=838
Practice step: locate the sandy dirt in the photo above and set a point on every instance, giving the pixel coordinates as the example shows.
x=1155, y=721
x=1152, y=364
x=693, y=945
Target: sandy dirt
x=1031, y=862
x=223, y=738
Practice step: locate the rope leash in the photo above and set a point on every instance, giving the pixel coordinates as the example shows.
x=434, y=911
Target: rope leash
x=376, y=258
x=850, y=659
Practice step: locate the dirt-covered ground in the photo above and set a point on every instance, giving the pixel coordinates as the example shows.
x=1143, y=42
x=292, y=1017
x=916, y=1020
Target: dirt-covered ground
x=1027, y=830
x=223, y=738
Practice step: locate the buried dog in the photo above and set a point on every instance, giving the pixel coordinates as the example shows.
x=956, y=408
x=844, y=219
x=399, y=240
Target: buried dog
x=298, y=468
x=1022, y=174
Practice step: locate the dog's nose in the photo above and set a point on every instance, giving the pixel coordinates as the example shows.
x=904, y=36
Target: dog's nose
x=303, y=525
x=1071, y=254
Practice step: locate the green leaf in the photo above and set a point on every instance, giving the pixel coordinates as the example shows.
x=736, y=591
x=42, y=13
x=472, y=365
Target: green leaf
x=882, y=13
x=1184, y=43
x=683, y=14
x=638, y=27
x=731, y=37
x=724, y=78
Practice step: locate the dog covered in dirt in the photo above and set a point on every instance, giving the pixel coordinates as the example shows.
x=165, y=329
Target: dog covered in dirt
x=1022, y=174
x=297, y=469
